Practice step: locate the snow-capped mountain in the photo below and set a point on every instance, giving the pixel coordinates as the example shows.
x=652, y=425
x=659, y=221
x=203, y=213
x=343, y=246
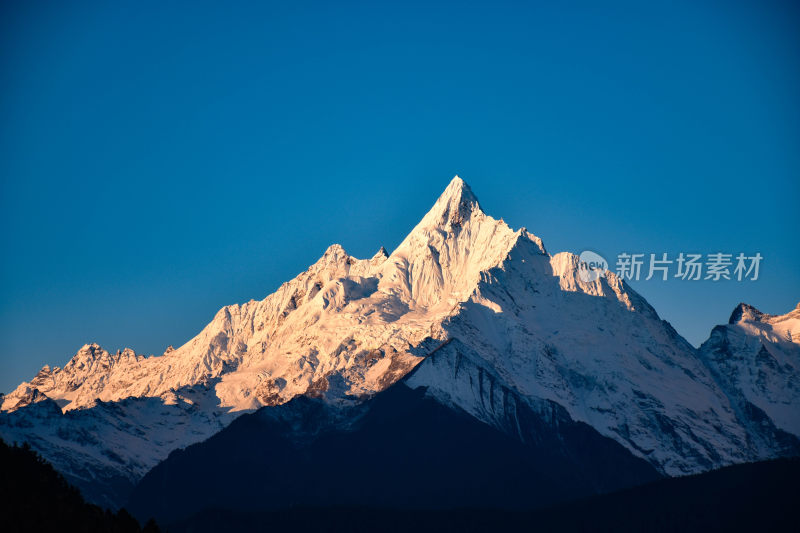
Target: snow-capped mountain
x=756, y=359
x=482, y=312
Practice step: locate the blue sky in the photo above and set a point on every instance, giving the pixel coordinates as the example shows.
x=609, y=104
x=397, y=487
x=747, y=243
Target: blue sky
x=161, y=161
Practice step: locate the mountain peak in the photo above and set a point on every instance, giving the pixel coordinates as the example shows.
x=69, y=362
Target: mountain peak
x=334, y=249
x=334, y=255
x=745, y=312
x=458, y=190
x=455, y=205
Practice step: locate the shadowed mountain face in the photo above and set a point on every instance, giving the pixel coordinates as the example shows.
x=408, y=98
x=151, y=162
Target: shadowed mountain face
x=752, y=497
x=402, y=449
x=756, y=360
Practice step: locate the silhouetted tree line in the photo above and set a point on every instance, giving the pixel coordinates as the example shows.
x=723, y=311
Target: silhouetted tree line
x=34, y=497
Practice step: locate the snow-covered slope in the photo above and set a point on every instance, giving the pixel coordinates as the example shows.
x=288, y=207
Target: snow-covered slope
x=344, y=326
x=497, y=312
x=104, y=450
x=756, y=359
x=265, y=352
x=532, y=326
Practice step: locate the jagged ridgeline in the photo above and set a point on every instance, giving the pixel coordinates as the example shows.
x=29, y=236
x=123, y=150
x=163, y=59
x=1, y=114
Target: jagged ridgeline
x=478, y=318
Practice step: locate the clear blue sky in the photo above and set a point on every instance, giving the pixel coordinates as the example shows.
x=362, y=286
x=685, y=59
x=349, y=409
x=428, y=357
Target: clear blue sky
x=161, y=161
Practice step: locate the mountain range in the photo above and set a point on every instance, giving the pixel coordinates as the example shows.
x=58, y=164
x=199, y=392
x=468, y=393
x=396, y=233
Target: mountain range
x=468, y=367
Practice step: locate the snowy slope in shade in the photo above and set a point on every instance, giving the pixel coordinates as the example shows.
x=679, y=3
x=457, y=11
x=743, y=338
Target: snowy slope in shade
x=106, y=449
x=513, y=319
x=756, y=359
x=598, y=349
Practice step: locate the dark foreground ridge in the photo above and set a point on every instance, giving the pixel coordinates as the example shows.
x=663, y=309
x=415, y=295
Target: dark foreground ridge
x=34, y=497
x=400, y=450
x=750, y=497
